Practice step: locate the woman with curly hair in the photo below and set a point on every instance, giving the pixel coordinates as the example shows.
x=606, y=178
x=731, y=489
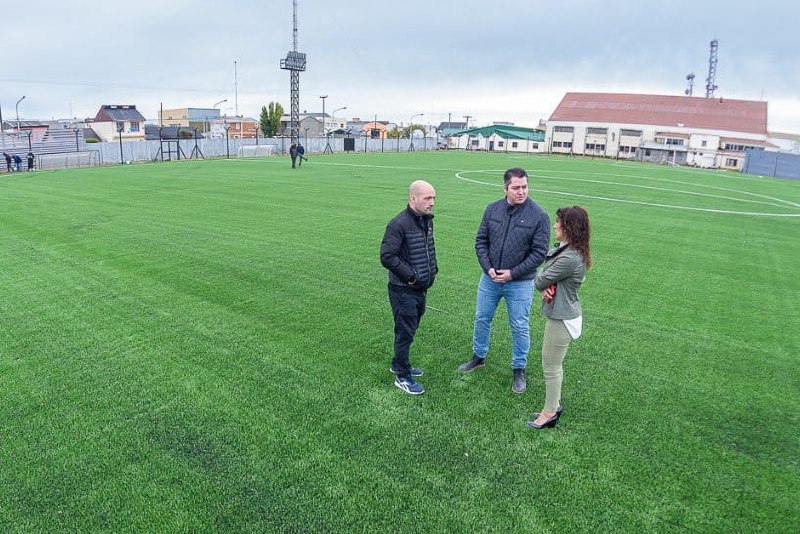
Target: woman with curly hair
x=558, y=280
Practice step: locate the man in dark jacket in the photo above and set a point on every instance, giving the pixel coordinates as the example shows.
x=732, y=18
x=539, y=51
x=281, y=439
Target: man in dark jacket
x=512, y=241
x=408, y=252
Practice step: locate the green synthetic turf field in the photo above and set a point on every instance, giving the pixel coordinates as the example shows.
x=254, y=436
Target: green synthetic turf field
x=204, y=346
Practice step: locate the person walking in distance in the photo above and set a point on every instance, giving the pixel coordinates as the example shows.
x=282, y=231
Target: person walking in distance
x=559, y=280
x=511, y=242
x=409, y=254
x=293, y=154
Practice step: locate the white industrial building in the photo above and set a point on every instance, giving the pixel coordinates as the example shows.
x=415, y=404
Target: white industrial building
x=685, y=130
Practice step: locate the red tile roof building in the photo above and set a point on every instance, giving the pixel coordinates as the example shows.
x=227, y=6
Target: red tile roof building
x=680, y=129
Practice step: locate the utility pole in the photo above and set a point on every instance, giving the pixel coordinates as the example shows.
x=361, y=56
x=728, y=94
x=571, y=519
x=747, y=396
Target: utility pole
x=467, y=118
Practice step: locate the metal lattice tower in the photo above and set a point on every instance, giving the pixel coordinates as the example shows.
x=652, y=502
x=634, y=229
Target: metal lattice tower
x=712, y=69
x=295, y=63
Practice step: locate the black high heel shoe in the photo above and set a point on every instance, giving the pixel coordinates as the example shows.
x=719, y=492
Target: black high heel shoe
x=535, y=415
x=550, y=423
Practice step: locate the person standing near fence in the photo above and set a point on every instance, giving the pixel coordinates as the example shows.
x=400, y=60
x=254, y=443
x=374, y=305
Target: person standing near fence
x=293, y=154
x=30, y=161
x=18, y=162
x=301, y=153
x=8, y=160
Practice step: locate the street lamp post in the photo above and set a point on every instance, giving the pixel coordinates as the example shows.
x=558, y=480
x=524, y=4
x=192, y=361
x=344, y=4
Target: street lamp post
x=215, y=107
x=411, y=130
x=119, y=131
x=323, y=97
x=17, y=108
x=333, y=115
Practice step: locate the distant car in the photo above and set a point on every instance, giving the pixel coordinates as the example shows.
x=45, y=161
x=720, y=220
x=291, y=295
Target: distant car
x=441, y=146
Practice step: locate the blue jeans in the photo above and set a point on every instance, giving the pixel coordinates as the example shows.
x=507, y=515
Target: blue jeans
x=518, y=295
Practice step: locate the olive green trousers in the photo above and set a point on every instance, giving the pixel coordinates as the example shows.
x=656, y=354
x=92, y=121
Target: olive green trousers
x=554, y=348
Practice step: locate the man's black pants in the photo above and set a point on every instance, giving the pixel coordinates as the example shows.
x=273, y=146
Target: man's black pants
x=408, y=306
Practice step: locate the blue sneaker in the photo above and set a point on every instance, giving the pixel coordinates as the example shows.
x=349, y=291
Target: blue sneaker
x=409, y=385
x=415, y=371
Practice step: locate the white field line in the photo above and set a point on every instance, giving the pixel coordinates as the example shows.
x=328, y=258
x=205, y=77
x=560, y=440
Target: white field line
x=460, y=176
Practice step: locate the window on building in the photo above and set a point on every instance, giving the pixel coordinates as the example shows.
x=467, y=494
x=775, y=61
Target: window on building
x=630, y=133
x=704, y=144
x=732, y=162
x=589, y=146
x=597, y=131
x=513, y=144
x=535, y=146
x=500, y=144
x=672, y=141
x=134, y=127
x=557, y=144
x=564, y=129
x=567, y=144
x=474, y=142
x=120, y=126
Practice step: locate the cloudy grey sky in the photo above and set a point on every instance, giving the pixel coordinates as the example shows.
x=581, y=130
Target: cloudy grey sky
x=499, y=60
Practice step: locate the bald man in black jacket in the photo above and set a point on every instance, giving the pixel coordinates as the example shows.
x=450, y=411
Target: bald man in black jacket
x=408, y=252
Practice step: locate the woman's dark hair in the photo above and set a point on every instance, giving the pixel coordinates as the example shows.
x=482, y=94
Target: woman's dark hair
x=576, y=228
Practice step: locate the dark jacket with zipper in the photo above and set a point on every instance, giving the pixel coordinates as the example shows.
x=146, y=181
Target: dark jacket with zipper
x=513, y=237
x=408, y=251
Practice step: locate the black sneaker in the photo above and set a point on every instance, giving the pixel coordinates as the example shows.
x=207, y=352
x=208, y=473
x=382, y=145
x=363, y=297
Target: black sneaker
x=471, y=365
x=518, y=384
x=414, y=371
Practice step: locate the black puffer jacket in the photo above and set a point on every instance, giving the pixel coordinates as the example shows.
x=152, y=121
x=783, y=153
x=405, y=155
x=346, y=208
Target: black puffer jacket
x=513, y=237
x=408, y=251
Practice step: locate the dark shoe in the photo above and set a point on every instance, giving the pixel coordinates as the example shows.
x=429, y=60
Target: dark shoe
x=518, y=385
x=535, y=415
x=471, y=365
x=414, y=371
x=550, y=423
x=409, y=385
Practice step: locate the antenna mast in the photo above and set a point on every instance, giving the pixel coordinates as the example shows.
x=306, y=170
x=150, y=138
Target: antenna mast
x=689, y=88
x=712, y=69
x=295, y=63
x=236, y=88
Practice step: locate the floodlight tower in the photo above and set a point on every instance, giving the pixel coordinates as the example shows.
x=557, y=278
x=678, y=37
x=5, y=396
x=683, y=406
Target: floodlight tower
x=295, y=63
x=690, y=79
x=712, y=69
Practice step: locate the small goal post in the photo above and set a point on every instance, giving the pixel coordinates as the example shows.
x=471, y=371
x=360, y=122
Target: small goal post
x=254, y=151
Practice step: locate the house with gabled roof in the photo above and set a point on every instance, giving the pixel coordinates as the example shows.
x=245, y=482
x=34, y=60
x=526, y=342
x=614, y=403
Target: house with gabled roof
x=706, y=132
x=446, y=129
x=499, y=138
x=115, y=121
